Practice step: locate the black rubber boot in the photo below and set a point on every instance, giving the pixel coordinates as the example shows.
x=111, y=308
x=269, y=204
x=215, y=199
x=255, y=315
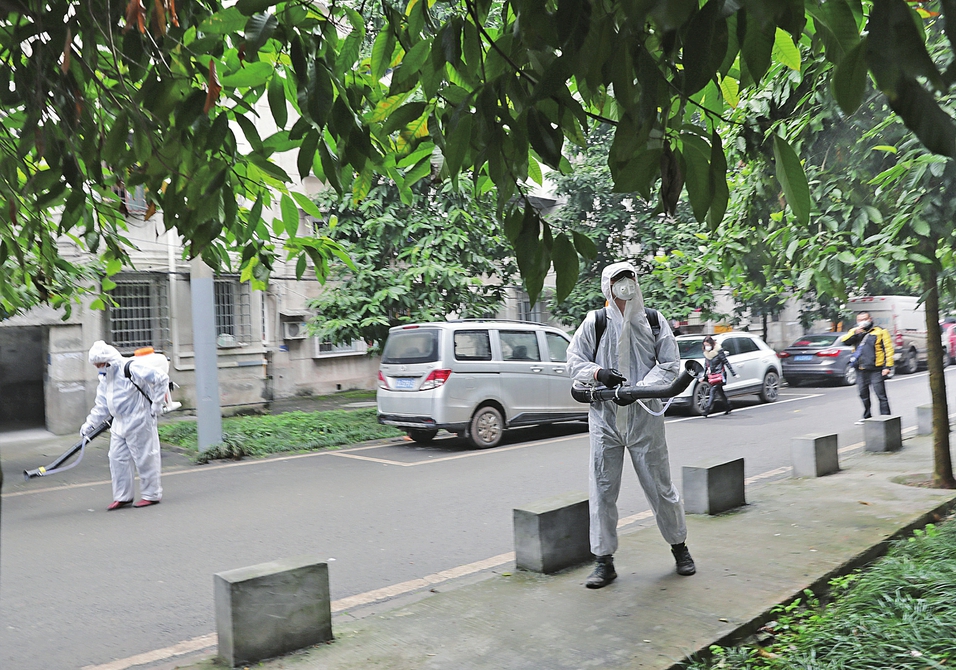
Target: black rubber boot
x=685, y=564
x=603, y=573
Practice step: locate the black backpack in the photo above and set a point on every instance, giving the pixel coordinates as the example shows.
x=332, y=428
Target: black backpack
x=600, y=325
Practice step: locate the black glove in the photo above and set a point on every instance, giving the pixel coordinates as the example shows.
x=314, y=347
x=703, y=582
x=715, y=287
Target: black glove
x=610, y=377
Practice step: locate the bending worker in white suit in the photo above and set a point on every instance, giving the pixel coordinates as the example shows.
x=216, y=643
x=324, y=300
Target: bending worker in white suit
x=639, y=344
x=132, y=392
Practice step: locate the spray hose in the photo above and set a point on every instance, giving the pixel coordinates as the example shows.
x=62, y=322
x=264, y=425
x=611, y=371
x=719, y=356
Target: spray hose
x=80, y=447
x=589, y=394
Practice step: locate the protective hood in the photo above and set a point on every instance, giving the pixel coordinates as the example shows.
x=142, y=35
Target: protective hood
x=101, y=352
x=612, y=270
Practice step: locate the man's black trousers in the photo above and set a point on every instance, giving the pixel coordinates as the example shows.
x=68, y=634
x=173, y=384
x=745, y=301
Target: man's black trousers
x=867, y=378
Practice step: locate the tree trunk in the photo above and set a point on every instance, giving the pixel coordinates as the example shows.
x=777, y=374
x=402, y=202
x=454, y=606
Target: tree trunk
x=765, y=328
x=942, y=460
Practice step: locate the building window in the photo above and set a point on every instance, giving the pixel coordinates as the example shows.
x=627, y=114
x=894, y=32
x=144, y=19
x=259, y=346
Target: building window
x=536, y=314
x=140, y=315
x=325, y=348
x=233, y=303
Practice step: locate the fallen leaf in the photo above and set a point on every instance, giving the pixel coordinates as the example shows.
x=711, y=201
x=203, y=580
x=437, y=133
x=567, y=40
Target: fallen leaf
x=863, y=502
x=723, y=619
x=766, y=654
x=214, y=88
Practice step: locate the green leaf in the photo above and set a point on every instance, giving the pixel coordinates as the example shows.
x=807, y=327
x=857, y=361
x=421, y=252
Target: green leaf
x=412, y=61
x=300, y=266
x=382, y=50
x=705, y=43
x=585, y=245
x=249, y=130
x=544, y=138
x=290, y=215
x=259, y=29
x=758, y=46
x=534, y=171
x=920, y=227
x=792, y=178
x=849, y=79
x=785, y=51
x=223, y=22
x=362, y=185
x=268, y=167
x=277, y=101
x=457, y=143
x=250, y=7
x=307, y=205
x=697, y=174
x=402, y=116
x=730, y=88
x=566, y=265
x=249, y=76
x=115, y=145
x=113, y=266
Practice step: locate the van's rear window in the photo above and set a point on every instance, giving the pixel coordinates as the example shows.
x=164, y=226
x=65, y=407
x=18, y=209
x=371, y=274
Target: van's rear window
x=419, y=345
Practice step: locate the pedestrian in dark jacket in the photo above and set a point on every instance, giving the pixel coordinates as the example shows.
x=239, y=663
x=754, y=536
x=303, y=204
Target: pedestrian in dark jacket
x=873, y=359
x=716, y=365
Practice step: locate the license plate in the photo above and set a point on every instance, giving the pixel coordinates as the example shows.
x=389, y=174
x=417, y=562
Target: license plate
x=405, y=382
x=803, y=358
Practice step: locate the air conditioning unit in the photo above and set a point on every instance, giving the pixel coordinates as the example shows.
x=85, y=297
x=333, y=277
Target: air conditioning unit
x=294, y=330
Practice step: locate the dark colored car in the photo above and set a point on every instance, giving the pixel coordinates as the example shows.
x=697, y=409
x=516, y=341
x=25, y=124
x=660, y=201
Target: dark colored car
x=818, y=357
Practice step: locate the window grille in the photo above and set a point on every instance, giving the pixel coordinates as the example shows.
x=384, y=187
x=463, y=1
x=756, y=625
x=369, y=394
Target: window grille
x=140, y=317
x=233, y=303
x=326, y=348
x=536, y=314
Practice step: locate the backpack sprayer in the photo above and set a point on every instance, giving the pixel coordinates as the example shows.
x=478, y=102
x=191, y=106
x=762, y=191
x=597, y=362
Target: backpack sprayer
x=588, y=394
x=145, y=355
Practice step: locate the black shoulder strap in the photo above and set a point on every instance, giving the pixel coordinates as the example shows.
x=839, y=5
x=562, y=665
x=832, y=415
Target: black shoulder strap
x=600, y=325
x=654, y=319
x=129, y=376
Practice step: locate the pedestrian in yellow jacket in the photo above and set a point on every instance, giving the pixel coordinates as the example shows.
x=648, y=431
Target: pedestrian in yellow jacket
x=873, y=360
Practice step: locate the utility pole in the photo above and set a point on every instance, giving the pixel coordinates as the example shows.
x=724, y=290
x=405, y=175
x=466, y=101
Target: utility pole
x=208, y=411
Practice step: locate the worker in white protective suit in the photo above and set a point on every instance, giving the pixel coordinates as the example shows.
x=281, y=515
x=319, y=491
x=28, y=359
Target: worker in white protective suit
x=628, y=350
x=132, y=392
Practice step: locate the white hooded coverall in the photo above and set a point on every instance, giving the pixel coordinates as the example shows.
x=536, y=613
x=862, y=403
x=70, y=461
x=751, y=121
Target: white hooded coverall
x=629, y=345
x=134, y=438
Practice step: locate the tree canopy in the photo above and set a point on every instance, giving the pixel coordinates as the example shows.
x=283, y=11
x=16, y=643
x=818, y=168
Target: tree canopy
x=101, y=95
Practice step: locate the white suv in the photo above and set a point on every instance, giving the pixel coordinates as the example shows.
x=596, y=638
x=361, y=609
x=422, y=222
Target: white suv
x=475, y=378
x=751, y=358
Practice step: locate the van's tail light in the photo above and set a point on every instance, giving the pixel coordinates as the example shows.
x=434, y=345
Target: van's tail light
x=434, y=379
x=783, y=354
x=829, y=353
x=382, y=384
x=899, y=339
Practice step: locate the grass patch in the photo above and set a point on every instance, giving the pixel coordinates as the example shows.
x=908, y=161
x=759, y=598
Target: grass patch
x=292, y=431
x=898, y=613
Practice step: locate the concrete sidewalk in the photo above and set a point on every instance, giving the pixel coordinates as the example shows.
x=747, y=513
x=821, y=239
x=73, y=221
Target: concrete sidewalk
x=793, y=535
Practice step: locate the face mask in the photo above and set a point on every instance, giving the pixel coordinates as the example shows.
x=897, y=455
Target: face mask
x=865, y=325
x=708, y=348
x=624, y=289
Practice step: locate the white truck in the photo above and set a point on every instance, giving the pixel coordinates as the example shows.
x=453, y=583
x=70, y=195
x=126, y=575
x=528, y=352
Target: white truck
x=906, y=322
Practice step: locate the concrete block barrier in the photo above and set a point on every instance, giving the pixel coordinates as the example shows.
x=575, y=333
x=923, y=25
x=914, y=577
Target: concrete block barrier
x=883, y=433
x=814, y=455
x=271, y=609
x=552, y=534
x=924, y=419
x=712, y=488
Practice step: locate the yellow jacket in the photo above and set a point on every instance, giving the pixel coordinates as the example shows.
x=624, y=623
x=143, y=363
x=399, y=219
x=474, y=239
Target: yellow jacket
x=875, y=348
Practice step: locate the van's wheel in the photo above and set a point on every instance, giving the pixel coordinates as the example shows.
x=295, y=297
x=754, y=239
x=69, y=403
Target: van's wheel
x=699, y=398
x=422, y=436
x=910, y=362
x=849, y=375
x=771, y=386
x=486, y=428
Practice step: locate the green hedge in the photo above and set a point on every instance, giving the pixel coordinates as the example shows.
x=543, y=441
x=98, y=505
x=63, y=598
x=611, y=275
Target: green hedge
x=898, y=613
x=292, y=431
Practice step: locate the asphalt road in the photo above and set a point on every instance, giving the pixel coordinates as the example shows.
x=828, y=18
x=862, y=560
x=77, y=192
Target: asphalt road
x=80, y=586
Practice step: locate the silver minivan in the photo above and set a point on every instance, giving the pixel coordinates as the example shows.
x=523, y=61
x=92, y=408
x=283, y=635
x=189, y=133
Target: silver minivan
x=475, y=378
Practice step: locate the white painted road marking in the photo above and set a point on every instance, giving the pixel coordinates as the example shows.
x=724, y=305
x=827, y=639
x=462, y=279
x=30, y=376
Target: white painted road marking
x=189, y=646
